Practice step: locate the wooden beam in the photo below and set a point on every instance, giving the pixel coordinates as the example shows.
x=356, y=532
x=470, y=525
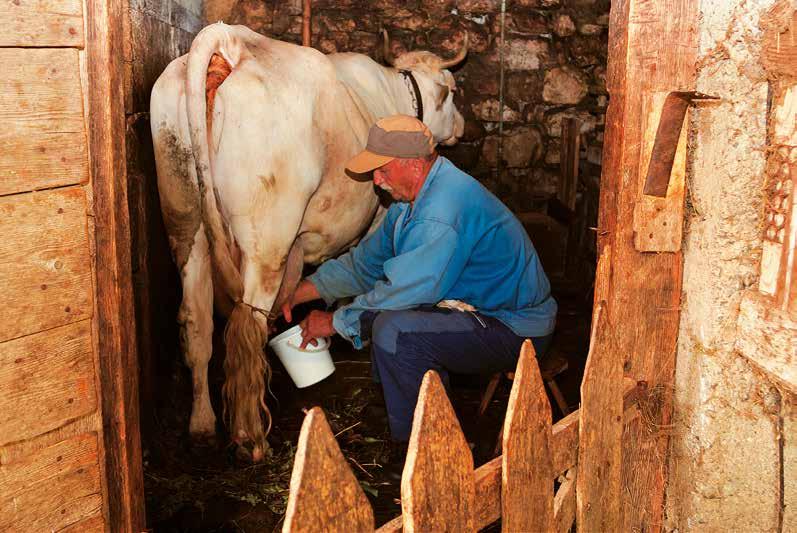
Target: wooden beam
x=652, y=48
x=568, y=162
x=115, y=323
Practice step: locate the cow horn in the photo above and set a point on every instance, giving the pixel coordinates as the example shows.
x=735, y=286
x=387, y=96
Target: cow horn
x=388, y=55
x=448, y=63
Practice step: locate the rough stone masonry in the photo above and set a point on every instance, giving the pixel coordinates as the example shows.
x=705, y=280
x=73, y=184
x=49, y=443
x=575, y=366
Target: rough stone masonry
x=555, y=59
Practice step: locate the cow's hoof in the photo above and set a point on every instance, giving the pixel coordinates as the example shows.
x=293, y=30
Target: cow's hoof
x=247, y=452
x=203, y=440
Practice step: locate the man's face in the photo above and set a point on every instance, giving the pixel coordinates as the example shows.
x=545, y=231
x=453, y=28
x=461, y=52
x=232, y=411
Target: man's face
x=400, y=177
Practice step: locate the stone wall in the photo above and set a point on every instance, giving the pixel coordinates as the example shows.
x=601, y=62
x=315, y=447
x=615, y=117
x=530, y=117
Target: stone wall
x=727, y=461
x=555, y=57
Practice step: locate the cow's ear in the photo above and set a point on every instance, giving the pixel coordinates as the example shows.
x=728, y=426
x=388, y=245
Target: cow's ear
x=442, y=94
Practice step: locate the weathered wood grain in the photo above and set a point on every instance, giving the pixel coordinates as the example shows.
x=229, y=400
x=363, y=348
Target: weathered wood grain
x=437, y=485
x=91, y=423
x=564, y=505
x=47, y=379
x=652, y=48
x=527, y=473
x=64, y=499
x=25, y=472
x=94, y=524
x=45, y=269
x=598, y=505
x=324, y=494
x=25, y=479
x=43, y=140
x=114, y=323
x=42, y=23
x=659, y=222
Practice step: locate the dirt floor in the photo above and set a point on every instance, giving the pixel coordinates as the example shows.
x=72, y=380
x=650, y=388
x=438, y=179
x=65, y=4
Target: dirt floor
x=206, y=489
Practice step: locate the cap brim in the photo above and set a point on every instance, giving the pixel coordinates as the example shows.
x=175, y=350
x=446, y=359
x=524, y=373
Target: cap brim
x=360, y=165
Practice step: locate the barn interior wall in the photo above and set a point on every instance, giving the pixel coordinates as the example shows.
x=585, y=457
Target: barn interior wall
x=728, y=461
x=555, y=59
x=157, y=32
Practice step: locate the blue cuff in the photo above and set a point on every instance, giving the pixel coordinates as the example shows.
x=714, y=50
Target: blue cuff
x=349, y=332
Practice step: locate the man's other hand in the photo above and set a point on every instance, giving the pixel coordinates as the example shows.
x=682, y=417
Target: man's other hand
x=317, y=324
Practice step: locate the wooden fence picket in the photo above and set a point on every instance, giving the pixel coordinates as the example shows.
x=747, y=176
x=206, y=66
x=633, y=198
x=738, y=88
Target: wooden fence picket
x=527, y=473
x=437, y=485
x=598, y=487
x=324, y=494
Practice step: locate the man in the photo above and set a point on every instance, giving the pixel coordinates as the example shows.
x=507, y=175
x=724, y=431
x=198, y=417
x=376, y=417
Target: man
x=446, y=238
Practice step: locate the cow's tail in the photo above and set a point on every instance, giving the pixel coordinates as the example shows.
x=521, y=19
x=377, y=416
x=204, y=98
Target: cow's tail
x=245, y=364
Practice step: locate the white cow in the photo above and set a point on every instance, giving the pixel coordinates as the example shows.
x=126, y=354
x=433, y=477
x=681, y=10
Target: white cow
x=251, y=136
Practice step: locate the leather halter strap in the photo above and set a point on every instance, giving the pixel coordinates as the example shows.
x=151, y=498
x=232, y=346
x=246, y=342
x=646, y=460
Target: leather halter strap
x=419, y=109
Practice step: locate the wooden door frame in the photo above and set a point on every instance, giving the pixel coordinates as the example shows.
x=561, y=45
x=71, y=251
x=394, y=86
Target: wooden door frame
x=642, y=289
x=115, y=314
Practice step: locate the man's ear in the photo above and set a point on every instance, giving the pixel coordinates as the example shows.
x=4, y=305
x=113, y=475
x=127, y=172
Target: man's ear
x=442, y=94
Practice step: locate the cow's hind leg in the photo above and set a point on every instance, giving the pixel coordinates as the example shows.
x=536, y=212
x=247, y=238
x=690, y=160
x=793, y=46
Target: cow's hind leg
x=196, y=335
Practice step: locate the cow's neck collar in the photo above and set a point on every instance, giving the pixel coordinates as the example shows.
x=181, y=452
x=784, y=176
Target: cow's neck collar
x=417, y=102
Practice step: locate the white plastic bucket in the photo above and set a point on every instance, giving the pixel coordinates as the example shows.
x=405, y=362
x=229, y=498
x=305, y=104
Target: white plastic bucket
x=305, y=366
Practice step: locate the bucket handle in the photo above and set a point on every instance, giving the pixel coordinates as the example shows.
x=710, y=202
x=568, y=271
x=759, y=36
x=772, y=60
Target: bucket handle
x=310, y=348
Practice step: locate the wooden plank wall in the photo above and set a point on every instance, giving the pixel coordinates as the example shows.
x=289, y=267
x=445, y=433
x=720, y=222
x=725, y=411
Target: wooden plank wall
x=53, y=473
x=652, y=48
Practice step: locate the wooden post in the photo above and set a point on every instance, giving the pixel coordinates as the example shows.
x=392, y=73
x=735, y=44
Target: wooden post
x=437, y=485
x=527, y=473
x=116, y=332
x=652, y=48
x=325, y=495
x=568, y=162
x=307, y=14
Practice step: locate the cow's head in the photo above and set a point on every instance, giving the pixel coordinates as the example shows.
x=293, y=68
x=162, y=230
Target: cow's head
x=437, y=87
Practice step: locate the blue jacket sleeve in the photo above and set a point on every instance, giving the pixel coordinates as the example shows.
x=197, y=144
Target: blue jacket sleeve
x=428, y=264
x=358, y=270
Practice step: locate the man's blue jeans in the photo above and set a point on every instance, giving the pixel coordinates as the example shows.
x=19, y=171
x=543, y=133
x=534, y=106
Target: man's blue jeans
x=405, y=344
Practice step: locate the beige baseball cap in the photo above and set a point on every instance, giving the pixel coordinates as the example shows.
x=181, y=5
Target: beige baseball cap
x=396, y=136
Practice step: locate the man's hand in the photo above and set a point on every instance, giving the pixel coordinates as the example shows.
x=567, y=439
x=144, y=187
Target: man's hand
x=305, y=292
x=317, y=324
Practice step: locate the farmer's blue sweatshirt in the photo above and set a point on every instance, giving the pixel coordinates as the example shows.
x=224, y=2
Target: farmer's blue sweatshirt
x=456, y=241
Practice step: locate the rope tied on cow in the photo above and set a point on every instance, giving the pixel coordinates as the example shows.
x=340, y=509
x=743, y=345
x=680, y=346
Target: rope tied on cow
x=412, y=85
x=270, y=316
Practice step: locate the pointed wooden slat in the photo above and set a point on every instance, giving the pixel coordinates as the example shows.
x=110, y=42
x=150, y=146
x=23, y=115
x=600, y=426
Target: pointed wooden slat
x=564, y=504
x=600, y=430
x=527, y=474
x=324, y=495
x=437, y=485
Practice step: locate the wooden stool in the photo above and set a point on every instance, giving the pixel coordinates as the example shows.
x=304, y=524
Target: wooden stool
x=551, y=366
